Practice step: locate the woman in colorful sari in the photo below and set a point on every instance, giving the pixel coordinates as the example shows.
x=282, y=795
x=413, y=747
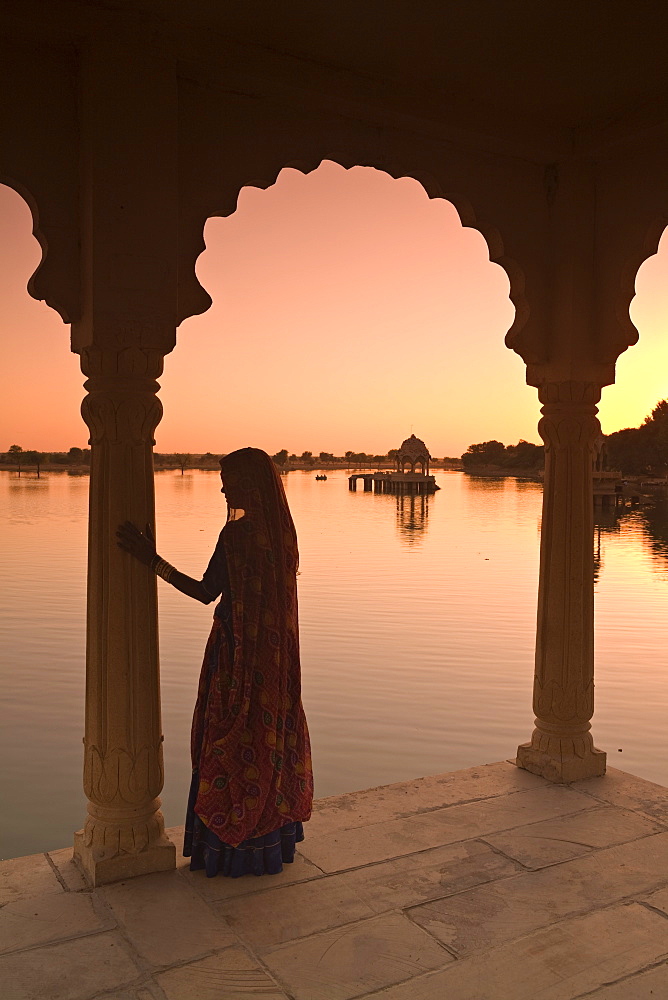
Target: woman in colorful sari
x=252, y=783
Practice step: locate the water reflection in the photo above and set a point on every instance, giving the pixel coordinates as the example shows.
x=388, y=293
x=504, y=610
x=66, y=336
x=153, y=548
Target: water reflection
x=652, y=521
x=648, y=523
x=412, y=516
x=488, y=484
x=607, y=521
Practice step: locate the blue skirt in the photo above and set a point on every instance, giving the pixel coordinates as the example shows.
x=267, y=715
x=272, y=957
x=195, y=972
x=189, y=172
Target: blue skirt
x=256, y=856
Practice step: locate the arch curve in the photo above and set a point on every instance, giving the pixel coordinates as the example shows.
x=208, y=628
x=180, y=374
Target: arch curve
x=649, y=247
x=51, y=281
x=199, y=301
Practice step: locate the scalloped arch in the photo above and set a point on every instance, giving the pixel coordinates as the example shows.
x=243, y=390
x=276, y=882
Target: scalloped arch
x=44, y=278
x=432, y=188
x=648, y=248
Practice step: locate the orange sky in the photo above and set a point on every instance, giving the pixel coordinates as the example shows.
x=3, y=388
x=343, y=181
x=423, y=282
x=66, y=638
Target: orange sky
x=348, y=308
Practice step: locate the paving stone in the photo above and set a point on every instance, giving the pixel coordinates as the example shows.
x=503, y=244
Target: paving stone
x=229, y=975
x=42, y=919
x=408, y=798
x=629, y=792
x=29, y=876
x=381, y=841
x=301, y=909
x=356, y=959
x=428, y=875
x=561, y=839
x=649, y=985
x=218, y=888
x=659, y=900
x=165, y=920
x=67, y=869
x=71, y=970
x=500, y=911
x=560, y=962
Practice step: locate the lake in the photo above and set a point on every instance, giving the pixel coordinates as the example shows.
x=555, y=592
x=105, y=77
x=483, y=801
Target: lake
x=417, y=630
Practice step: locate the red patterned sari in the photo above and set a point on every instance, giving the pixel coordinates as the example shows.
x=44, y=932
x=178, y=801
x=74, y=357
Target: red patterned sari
x=250, y=745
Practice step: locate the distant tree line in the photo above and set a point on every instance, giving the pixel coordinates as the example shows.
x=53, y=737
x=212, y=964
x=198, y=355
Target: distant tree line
x=29, y=459
x=634, y=451
x=324, y=458
x=523, y=455
x=641, y=451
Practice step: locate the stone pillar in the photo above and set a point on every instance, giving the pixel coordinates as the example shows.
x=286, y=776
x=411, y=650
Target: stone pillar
x=123, y=770
x=561, y=747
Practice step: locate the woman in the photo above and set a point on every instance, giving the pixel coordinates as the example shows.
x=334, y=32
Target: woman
x=252, y=784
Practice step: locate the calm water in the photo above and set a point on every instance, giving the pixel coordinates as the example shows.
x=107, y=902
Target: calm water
x=417, y=626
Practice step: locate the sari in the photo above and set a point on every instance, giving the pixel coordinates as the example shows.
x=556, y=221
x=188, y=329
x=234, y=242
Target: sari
x=252, y=785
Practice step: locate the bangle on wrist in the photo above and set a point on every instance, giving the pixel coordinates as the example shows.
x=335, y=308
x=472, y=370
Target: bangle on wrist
x=162, y=568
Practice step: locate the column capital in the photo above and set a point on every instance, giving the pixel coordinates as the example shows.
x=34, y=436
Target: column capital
x=569, y=393
x=569, y=414
x=122, y=362
x=121, y=406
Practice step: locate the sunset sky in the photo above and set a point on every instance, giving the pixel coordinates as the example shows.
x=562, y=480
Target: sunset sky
x=347, y=310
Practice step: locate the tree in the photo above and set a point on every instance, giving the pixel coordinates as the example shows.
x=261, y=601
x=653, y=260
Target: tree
x=307, y=457
x=485, y=453
x=281, y=457
x=326, y=456
x=524, y=455
x=75, y=456
x=16, y=451
x=642, y=450
x=182, y=461
x=34, y=458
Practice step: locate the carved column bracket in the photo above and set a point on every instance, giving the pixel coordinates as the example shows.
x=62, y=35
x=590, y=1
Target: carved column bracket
x=123, y=770
x=561, y=747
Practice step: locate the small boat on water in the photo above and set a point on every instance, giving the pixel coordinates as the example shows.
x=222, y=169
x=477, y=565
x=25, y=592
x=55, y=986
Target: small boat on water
x=321, y=477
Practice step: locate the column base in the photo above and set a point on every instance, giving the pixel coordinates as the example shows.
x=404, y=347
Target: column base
x=561, y=759
x=101, y=867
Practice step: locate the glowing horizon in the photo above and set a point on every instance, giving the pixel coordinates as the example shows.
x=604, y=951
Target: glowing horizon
x=347, y=308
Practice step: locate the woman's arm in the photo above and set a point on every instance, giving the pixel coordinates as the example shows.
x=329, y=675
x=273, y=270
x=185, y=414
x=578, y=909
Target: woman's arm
x=142, y=546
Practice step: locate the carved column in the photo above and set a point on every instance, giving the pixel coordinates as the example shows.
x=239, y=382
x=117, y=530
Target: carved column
x=561, y=746
x=123, y=770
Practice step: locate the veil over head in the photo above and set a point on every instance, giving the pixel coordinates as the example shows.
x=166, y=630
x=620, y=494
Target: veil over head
x=254, y=753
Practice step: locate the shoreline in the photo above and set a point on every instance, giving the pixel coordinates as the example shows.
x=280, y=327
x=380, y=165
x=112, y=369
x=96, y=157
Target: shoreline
x=84, y=470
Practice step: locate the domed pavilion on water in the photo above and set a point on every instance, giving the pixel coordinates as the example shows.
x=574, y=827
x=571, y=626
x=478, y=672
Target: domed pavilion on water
x=411, y=474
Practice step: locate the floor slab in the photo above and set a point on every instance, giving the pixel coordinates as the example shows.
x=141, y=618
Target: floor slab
x=30, y=876
x=356, y=959
x=365, y=845
x=188, y=928
x=561, y=962
x=229, y=975
x=461, y=885
x=42, y=919
x=560, y=839
x=70, y=970
x=484, y=917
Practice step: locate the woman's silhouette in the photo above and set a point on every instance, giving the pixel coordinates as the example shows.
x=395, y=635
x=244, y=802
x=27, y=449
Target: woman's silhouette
x=252, y=783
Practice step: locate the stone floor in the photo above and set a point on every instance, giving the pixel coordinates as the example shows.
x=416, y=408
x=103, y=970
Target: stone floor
x=485, y=884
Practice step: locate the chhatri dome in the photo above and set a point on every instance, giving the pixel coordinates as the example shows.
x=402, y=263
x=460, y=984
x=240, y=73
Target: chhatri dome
x=413, y=453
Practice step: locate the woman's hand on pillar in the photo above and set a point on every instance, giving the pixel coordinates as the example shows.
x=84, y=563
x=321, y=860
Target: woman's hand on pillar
x=139, y=544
